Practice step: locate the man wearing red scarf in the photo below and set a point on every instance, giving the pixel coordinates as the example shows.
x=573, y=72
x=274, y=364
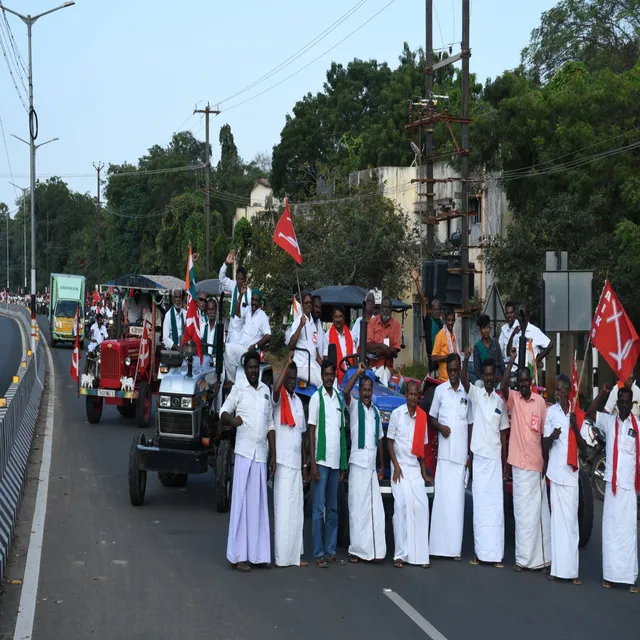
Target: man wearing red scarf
x=622, y=478
x=340, y=335
x=560, y=427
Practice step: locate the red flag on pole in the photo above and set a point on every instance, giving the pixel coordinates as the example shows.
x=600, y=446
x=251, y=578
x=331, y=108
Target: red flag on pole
x=284, y=235
x=75, y=358
x=613, y=335
x=574, y=406
x=144, y=354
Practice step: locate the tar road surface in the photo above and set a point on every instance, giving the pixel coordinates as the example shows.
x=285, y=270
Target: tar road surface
x=10, y=352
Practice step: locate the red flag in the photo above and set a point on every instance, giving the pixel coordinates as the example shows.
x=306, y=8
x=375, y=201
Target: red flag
x=613, y=335
x=144, y=355
x=284, y=235
x=192, y=325
x=574, y=406
x=75, y=358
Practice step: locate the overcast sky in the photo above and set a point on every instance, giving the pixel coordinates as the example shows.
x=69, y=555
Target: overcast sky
x=113, y=77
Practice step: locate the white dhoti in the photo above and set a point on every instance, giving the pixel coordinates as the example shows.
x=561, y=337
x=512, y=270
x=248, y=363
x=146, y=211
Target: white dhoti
x=488, y=509
x=366, y=515
x=410, y=518
x=308, y=370
x=288, y=515
x=533, y=521
x=383, y=374
x=232, y=355
x=620, y=536
x=447, y=519
x=565, y=532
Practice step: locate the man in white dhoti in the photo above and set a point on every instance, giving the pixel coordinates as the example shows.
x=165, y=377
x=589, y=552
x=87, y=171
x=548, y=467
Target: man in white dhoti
x=562, y=440
x=237, y=288
x=488, y=449
x=288, y=497
x=450, y=417
x=308, y=340
x=622, y=477
x=406, y=436
x=366, y=512
x=248, y=410
x=528, y=413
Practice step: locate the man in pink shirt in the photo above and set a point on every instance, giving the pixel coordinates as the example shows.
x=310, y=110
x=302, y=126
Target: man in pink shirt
x=528, y=413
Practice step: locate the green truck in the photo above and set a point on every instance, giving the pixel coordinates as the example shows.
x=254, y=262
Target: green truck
x=67, y=292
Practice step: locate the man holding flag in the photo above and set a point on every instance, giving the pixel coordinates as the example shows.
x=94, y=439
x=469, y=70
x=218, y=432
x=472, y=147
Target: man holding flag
x=237, y=288
x=561, y=441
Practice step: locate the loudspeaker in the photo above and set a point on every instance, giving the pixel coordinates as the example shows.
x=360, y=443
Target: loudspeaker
x=434, y=280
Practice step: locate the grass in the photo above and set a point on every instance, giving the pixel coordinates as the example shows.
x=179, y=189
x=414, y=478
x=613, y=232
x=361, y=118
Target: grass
x=416, y=370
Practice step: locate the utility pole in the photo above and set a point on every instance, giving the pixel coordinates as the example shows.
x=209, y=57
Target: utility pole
x=428, y=148
x=207, y=192
x=24, y=219
x=99, y=167
x=7, y=249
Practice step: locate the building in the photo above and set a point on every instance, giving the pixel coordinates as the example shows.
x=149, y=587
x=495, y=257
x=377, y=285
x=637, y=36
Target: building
x=260, y=199
x=492, y=213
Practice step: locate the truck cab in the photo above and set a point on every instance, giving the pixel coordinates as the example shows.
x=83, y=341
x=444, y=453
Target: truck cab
x=67, y=296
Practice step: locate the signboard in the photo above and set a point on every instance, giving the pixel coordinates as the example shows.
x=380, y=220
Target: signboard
x=568, y=300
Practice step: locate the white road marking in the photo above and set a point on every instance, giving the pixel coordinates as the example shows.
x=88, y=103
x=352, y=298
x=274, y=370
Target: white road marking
x=28, y=598
x=406, y=608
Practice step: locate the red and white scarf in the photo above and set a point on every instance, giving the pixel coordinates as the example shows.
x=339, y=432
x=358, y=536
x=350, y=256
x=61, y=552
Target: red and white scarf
x=286, y=415
x=334, y=338
x=419, y=431
x=614, y=477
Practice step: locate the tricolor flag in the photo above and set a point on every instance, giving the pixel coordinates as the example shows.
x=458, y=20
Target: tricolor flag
x=75, y=358
x=294, y=312
x=284, y=235
x=192, y=325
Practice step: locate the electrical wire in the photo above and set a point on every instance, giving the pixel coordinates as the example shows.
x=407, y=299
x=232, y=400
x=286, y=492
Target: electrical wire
x=435, y=10
x=13, y=43
x=324, y=53
x=300, y=52
x=11, y=73
x=6, y=150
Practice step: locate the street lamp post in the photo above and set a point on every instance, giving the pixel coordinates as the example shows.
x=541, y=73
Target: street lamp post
x=24, y=220
x=33, y=134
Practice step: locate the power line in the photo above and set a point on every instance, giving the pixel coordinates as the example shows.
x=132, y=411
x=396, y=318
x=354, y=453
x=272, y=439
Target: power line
x=15, y=84
x=6, y=150
x=300, y=52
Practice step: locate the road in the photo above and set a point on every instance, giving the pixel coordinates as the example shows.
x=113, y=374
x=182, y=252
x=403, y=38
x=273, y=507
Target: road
x=112, y=571
x=11, y=350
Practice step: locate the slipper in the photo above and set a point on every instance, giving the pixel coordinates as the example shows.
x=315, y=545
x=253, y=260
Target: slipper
x=634, y=589
x=398, y=564
x=337, y=560
x=304, y=563
x=517, y=568
x=321, y=563
x=264, y=565
x=607, y=585
x=426, y=566
x=551, y=577
x=474, y=561
x=457, y=559
x=243, y=567
x=498, y=565
x=576, y=581
x=354, y=559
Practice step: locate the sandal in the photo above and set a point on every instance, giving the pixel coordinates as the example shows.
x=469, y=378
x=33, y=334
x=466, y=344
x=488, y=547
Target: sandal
x=606, y=584
x=634, y=589
x=243, y=567
x=354, y=559
x=576, y=581
x=304, y=563
x=321, y=562
x=426, y=566
x=457, y=559
x=474, y=561
x=398, y=564
x=517, y=568
x=498, y=565
x=337, y=560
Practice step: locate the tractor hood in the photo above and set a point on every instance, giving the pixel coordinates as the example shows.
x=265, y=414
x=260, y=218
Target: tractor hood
x=176, y=381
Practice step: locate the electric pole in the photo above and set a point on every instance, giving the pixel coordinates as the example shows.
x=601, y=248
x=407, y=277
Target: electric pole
x=207, y=194
x=428, y=147
x=99, y=167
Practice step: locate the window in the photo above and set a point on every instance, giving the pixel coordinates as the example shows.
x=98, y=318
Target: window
x=475, y=205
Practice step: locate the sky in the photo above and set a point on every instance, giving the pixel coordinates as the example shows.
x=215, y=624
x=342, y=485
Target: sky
x=114, y=77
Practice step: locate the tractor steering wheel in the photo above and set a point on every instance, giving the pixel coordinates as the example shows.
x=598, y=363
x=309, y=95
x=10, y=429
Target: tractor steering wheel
x=343, y=365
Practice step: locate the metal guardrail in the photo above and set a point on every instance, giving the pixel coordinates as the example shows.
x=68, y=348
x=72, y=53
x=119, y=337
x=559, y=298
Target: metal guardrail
x=17, y=425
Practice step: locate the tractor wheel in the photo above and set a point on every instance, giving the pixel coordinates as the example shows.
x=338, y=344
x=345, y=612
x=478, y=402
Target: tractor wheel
x=137, y=476
x=94, y=409
x=144, y=404
x=172, y=479
x=585, y=508
x=127, y=410
x=224, y=476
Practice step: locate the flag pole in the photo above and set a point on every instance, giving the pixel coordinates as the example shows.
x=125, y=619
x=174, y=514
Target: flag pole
x=586, y=350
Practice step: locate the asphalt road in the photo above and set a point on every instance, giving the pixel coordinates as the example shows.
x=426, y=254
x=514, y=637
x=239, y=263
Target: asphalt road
x=10, y=350
x=113, y=571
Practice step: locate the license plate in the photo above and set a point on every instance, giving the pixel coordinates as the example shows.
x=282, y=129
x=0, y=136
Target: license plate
x=107, y=393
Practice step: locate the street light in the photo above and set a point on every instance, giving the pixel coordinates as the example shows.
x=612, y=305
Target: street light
x=33, y=134
x=24, y=220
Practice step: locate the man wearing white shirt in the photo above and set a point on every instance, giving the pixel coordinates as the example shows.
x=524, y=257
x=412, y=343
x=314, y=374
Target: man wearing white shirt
x=532, y=340
x=328, y=447
x=256, y=333
x=619, y=516
x=612, y=402
x=237, y=288
x=307, y=339
x=98, y=333
x=488, y=447
x=366, y=512
x=208, y=330
x=449, y=412
x=559, y=427
x=507, y=330
x=248, y=410
x=288, y=495
x=174, y=321
x=406, y=436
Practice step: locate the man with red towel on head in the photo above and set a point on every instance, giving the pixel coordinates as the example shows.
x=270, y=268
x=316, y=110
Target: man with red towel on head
x=340, y=335
x=291, y=468
x=450, y=417
x=622, y=478
x=406, y=437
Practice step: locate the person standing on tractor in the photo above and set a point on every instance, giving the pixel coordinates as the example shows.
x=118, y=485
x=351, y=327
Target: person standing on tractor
x=486, y=348
x=451, y=418
x=248, y=410
x=406, y=437
x=530, y=502
x=307, y=343
x=612, y=402
x=340, y=335
x=202, y=308
x=233, y=288
x=369, y=312
x=445, y=344
x=174, y=321
x=366, y=512
x=562, y=440
x=328, y=447
x=506, y=331
x=291, y=469
x=431, y=321
x=383, y=341
x=532, y=340
x=208, y=330
x=622, y=478
x=488, y=450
